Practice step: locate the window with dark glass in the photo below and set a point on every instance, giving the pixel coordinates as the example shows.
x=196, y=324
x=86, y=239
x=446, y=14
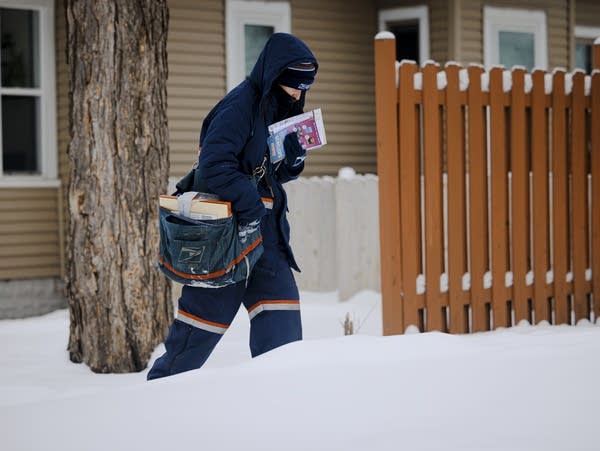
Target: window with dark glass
x=407, y=40
x=583, y=54
x=20, y=91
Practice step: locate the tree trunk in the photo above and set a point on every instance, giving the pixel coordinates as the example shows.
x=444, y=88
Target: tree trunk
x=119, y=303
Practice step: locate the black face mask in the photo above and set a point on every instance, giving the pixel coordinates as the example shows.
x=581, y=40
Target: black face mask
x=285, y=102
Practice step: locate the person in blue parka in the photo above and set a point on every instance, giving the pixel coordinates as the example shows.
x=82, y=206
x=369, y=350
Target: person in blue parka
x=234, y=164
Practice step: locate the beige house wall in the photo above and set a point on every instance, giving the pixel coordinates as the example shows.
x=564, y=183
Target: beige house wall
x=557, y=23
x=30, y=232
x=196, y=57
x=341, y=37
x=587, y=13
x=341, y=40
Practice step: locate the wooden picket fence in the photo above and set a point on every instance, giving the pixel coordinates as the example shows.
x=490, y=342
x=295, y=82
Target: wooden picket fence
x=489, y=186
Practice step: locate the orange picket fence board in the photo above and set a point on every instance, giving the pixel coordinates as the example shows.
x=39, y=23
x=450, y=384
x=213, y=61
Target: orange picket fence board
x=499, y=198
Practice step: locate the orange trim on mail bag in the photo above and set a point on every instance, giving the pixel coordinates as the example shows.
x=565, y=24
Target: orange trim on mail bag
x=219, y=273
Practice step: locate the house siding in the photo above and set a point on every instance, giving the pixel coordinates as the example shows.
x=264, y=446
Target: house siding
x=341, y=37
x=197, y=80
x=557, y=23
x=439, y=32
x=587, y=13
x=30, y=234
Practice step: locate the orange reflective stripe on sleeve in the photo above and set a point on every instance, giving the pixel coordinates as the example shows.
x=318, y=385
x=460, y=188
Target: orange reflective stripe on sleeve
x=267, y=202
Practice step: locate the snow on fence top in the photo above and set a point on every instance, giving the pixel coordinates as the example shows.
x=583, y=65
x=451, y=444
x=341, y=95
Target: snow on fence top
x=385, y=35
x=464, y=81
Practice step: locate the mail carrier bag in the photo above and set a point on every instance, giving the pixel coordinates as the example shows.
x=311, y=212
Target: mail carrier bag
x=206, y=253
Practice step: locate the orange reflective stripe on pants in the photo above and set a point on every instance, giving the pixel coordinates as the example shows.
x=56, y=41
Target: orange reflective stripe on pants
x=201, y=323
x=275, y=304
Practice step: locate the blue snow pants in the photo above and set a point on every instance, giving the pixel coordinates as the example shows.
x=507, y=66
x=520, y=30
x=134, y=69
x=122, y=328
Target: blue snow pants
x=204, y=314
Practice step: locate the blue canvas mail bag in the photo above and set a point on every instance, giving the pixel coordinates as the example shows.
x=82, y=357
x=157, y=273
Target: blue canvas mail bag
x=204, y=252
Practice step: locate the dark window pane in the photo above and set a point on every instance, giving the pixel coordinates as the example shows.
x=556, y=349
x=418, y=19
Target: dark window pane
x=255, y=38
x=583, y=57
x=20, y=55
x=407, y=40
x=20, y=120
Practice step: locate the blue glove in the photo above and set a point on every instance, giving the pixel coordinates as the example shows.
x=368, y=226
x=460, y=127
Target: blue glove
x=245, y=229
x=294, y=153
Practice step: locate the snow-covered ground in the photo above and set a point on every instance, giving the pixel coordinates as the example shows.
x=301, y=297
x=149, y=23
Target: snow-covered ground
x=526, y=388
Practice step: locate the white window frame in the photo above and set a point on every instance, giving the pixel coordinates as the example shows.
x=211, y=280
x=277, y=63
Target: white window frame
x=47, y=153
x=586, y=32
x=516, y=20
x=239, y=13
x=420, y=13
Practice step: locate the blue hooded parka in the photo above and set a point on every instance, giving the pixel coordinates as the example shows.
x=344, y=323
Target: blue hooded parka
x=233, y=142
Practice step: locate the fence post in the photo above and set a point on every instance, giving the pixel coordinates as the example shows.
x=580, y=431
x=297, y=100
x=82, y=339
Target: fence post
x=579, y=196
x=388, y=169
x=434, y=231
x=456, y=200
x=477, y=165
x=409, y=125
x=560, y=189
x=520, y=196
x=539, y=168
x=499, y=200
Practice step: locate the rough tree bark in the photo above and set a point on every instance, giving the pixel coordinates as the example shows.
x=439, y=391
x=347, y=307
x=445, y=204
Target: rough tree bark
x=120, y=305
